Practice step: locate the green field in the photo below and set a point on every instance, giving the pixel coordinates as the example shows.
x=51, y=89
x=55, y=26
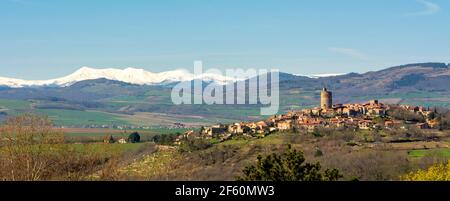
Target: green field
x=436, y=152
x=95, y=134
x=14, y=107
x=14, y=104
x=98, y=135
x=76, y=117
x=119, y=133
x=161, y=112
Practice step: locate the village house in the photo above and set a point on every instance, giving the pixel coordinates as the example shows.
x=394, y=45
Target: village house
x=352, y=116
x=235, y=129
x=122, y=141
x=423, y=126
x=365, y=124
x=393, y=124
x=433, y=123
x=185, y=135
x=284, y=125
x=214, y=131
x=109, y=139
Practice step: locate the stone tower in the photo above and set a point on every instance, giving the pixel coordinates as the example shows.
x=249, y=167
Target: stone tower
x=326, y=99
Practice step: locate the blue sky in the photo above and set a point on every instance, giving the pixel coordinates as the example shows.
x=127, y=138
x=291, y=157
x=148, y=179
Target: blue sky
x=41, y=39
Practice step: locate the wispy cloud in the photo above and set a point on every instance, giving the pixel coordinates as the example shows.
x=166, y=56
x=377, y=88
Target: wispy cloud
x=430, y=8
x=349, y=52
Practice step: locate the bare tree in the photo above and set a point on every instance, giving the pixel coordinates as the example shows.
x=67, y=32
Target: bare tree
x=29, y=144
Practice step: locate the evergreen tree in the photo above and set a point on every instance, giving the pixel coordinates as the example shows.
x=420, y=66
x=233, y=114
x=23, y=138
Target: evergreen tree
x=289, y=166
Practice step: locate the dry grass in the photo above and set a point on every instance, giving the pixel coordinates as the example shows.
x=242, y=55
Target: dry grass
x=32, y=150
x=151, y=166
x=226, y=160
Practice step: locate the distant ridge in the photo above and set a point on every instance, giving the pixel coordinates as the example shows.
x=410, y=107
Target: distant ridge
x=375, y=80
x=128, y=75
x=426, y=65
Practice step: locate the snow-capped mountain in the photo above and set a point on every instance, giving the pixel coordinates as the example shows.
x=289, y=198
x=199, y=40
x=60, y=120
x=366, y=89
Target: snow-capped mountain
x=128, y=75
x=321, y=75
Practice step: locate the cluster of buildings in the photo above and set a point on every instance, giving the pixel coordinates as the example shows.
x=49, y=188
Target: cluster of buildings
x=371, y=115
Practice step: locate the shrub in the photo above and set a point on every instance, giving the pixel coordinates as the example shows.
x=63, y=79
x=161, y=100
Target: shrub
x=109, y=139
x=318, y=152
x=165, y=139
x=411, y=134
x=29, y=144
x=32, y=150
x=406, y=115
x=316, y=133
x=444, y=120
x=134, y=138
x=437, y=172
x=288, y=166
x=194, y=144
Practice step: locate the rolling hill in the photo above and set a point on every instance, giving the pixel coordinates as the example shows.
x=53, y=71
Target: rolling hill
x=134, y=102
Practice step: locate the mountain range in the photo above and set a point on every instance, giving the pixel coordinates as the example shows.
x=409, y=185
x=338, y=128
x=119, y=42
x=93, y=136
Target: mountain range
x=143, y=77
x=128, y=75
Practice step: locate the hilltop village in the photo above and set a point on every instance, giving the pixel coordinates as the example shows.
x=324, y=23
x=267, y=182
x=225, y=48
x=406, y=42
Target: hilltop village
x=371, y=115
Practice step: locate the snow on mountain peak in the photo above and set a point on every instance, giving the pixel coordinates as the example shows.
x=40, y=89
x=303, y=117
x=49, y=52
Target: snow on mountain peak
x=320, y=75
x=128, y=75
